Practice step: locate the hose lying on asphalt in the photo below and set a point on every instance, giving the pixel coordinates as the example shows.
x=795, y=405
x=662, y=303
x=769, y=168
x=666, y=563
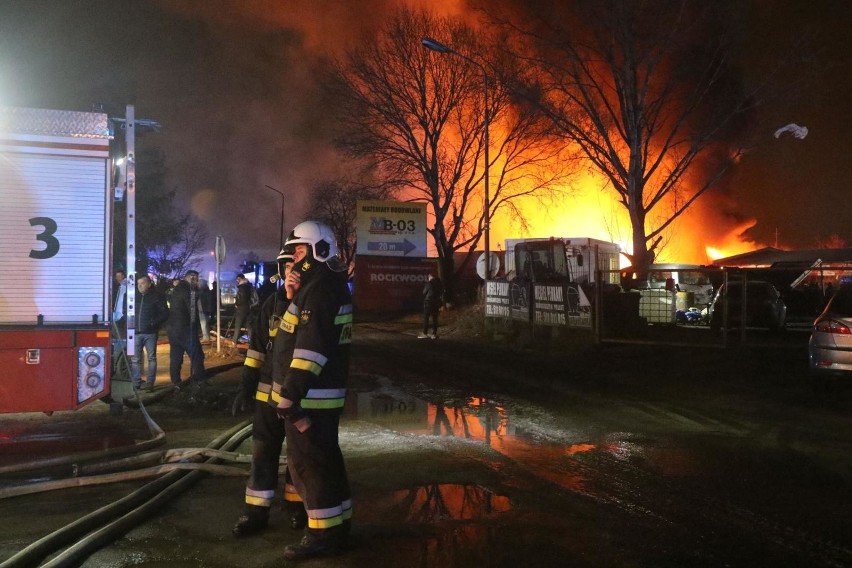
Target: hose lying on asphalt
x=44, y=486
x=119, y=517
x=165, y=461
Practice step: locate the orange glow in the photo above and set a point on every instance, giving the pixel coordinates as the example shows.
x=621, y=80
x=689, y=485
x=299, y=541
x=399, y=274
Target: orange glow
x=585, y=211
x=702, y=234
x=431, y=503
x=580, y=448
x=732, y=243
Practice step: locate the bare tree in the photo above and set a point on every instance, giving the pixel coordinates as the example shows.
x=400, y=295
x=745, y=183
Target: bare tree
x=335, y=204
x=647, y=90
x=419, y=115
x=173, y=259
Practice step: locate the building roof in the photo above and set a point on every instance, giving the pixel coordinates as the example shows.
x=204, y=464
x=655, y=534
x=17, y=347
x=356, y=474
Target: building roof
x=773, y=257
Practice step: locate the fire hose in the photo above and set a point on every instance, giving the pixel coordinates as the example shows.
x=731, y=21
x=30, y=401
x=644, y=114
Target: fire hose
x=103, y=526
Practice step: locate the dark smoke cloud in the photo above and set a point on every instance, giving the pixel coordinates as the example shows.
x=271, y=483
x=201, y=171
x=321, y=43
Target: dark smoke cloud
x=234, y=84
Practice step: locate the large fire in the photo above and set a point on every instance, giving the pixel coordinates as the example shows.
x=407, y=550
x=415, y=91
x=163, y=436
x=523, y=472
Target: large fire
x=702, y=234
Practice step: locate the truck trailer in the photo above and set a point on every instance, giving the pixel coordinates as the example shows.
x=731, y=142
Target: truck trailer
x=55, y=257
x=576, y=259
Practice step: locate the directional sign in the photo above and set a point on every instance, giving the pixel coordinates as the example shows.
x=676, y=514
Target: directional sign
x=391, y=228
x=405, y=246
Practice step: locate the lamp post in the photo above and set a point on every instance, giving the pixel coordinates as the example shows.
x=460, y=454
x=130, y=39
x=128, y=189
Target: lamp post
x=281, y=244
x=435, y=45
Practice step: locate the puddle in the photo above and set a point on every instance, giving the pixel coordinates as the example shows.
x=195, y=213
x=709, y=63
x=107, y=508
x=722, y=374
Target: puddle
x=31, y=442
x=477, y=419
x=434, y=503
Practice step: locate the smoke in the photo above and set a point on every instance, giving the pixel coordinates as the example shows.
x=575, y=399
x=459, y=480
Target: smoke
x=235, y=86
x=261, y=118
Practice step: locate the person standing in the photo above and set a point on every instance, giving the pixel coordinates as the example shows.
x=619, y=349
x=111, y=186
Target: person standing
x=310, y=369
x=242, y=305
x=119, y=297
x=432, y=292
x=267, y=429
x=151, y=313
x=184, y=327
x=119, y=311
x=205, y=297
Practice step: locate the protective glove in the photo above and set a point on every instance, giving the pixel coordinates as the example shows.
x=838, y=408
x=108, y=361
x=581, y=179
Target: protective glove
x=296, y=416
x=242, y=403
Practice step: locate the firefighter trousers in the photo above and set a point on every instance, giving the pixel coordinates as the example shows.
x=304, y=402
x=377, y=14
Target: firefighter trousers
x=316, y=465
x=267, y=439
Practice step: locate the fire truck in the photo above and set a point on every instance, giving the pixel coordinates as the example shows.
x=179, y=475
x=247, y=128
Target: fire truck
x=55, y=259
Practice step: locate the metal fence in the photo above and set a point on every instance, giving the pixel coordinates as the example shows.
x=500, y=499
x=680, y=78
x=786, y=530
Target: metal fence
x=755, y=306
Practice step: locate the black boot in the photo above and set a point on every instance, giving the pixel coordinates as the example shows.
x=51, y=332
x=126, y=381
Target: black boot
x=317, y=543
x=296, y=514
x=252, y=521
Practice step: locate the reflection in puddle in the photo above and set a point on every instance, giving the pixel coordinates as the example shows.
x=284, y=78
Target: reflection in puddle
x=33, y=441
x=478, y=419
x=447, y=524
x=433, y=503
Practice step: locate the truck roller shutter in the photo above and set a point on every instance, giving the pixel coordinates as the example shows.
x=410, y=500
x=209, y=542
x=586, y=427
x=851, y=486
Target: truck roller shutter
x=54, y=212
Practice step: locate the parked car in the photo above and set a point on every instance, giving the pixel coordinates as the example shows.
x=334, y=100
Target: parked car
x=764, y=306
x=830, y=346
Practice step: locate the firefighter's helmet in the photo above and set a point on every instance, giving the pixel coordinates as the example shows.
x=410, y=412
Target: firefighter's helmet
x=286, y=254
x=319, y=238
x=284, y=257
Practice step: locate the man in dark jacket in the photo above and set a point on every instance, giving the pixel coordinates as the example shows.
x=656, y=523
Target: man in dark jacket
x=432, y=291
x=151, y=313
x=242, y=306
x=183, y=327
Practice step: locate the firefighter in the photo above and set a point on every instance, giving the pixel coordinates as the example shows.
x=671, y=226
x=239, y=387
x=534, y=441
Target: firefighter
x=310, y=368
x=268, y=429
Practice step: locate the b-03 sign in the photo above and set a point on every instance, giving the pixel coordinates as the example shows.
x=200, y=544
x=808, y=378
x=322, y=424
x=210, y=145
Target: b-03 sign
x=391, y=228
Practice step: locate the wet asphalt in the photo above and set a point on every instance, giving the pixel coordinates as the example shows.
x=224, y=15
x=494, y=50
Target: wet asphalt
x=470, y=453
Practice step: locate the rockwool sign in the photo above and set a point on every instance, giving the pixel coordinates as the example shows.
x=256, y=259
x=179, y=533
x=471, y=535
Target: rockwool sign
x=391, y=228
x=390, y=284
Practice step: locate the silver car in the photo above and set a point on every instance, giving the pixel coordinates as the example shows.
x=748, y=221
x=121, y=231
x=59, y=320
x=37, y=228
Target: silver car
x=830, y=347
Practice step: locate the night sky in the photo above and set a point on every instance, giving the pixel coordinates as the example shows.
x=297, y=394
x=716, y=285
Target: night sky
x=234, y=85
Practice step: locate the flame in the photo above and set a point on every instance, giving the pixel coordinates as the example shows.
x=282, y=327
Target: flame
x=703, y=233
x=584, y=210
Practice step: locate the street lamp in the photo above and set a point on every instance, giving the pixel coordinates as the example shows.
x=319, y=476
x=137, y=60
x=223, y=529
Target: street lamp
x=281, y=245
x=435, y=45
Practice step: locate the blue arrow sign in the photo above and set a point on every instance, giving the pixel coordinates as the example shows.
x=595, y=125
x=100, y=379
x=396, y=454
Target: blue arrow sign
x=404, y=247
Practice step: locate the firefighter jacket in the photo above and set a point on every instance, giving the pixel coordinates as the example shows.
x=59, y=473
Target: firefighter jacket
x=257, y=369
x=311, y=360
x=151, y=311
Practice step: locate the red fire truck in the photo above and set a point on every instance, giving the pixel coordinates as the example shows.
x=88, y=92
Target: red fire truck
x=55, y=274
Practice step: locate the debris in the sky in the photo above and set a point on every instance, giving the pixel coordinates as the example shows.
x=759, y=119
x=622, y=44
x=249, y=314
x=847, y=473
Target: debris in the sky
x=797, y=131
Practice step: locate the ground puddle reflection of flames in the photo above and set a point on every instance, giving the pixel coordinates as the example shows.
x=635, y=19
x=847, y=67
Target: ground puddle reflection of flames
x=433, y=503
x=486, y=421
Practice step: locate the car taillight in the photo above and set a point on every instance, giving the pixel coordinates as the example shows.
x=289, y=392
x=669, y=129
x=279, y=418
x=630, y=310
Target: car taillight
x=832, y=326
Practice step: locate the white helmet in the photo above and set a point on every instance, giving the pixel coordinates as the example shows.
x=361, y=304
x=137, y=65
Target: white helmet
x=318, y=236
